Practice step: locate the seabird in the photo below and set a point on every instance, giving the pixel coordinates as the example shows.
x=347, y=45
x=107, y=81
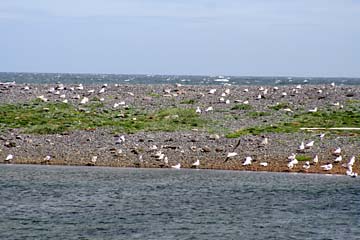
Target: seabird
x=120, y=140
x=306, y=165
x=265, y=141
x=264, y=164
x=351, y=161
x=177, y=166
x=212, y=91
x=301, y=147
x=337, y=151
x=309, y=144
x=9, y=157
x=327, y=167
x=209, y=109
x=313, y=110
x=247, y=161
x=196, y=164
x=316, y=159
x=230, y=155
x=338, y=159
x=84, y=100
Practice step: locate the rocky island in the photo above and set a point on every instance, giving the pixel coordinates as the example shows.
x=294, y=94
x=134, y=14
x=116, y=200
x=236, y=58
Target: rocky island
x=257, y=128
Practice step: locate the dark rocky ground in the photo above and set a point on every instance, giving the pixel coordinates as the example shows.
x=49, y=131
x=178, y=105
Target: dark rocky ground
x=185, y=147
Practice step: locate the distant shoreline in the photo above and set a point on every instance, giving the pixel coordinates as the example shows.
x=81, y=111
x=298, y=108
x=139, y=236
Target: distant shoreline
x=160, y=122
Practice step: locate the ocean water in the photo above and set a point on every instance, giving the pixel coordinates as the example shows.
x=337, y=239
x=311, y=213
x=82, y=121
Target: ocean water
x=57, y=202
x=67, y=78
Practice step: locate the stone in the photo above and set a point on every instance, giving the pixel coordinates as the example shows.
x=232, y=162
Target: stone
x=214, y=137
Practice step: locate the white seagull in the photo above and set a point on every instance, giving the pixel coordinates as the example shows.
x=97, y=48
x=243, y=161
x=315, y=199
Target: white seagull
x=301, y=147
x=337, y=151
x=327, y=167
x=309, y=144
x=316, y=159
x=230, y=155
x=212, y=91
x=120, y=140
x=84, y=100
x=351, y=161
x=338, y=159
x=247, y=161
x=265, y=141
x=177, y=166
x=196, y=163
x=9, y=157
x=313, y=110
x=306, y=165
x=209, y=109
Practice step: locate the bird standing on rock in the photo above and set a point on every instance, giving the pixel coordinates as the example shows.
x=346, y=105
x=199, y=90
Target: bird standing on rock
x=196, y=164
x=306, y=165
x=338, y=159
x=9, y=158
x=316, y=159
x=264, y=141
x=247, y=161
x=230, y=155
x=177, y=166
x=337, y=151
x=309, y=144
x=120, y=140
x=327, y=167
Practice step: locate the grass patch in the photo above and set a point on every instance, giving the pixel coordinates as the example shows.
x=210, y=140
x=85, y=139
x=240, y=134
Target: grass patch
x=188, y=101
x=323, y=119
x=155, y=95
x=258, y=114
x=241, y=107
x=279, y=106
x=50, y=118
x=303, y=158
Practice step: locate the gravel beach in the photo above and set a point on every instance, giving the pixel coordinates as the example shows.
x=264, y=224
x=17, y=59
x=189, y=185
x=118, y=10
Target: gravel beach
x=224, y=106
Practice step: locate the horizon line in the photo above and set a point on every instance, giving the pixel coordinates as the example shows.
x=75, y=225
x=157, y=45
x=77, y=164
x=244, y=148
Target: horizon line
x=190, y=75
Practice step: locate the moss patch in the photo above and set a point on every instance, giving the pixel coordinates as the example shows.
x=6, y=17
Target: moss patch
x=50, y=118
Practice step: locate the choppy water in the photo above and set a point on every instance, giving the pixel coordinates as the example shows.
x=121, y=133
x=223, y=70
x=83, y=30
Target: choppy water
x=53, y=202
x=166, y=79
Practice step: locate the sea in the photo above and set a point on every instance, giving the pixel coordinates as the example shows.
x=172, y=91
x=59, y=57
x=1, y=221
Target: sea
x=63, y=202
x=72, y=78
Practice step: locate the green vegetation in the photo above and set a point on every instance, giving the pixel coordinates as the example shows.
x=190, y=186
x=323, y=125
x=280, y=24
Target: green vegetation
x=155, y=95
x=241, y=107
x=188, y=101
x=303, y=158
x=258, y=114
x=49, y=118
x=322, y=119
x=279, y=106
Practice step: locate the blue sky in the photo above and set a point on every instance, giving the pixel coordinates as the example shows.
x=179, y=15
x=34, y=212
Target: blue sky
x=229, y=37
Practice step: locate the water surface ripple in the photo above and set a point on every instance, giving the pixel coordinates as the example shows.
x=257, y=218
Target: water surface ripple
x=57, y=202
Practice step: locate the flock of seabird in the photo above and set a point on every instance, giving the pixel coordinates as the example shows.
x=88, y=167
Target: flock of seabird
x=248, y=160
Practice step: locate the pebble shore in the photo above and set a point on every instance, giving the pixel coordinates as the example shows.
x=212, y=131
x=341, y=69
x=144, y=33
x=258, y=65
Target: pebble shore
x=142, y=149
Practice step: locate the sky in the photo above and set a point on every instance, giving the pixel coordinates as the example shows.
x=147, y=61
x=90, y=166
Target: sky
x=319, y=38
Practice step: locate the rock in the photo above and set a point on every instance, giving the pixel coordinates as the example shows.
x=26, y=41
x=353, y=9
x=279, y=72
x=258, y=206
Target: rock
x=10, y=144
x=219, y=149
x=214, y=137
x=206, y=149
x=169, y=147
x=134, y=151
